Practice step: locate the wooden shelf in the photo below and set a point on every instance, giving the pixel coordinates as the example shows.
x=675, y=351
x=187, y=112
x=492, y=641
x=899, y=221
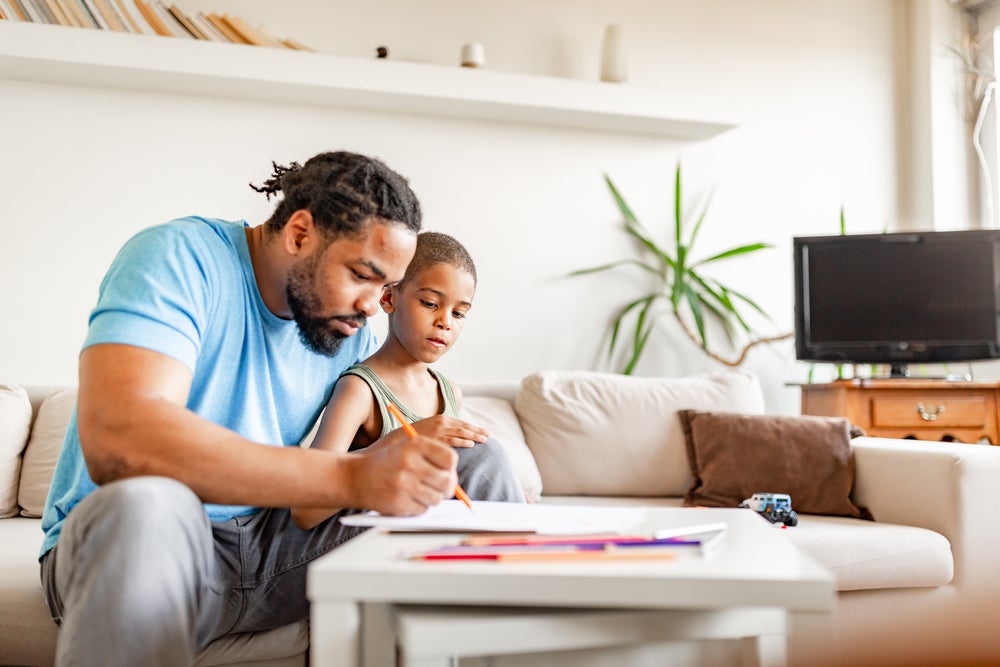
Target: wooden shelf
x=82, y=57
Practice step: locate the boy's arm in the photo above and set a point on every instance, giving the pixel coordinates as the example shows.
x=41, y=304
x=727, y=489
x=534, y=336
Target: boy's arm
x=349, y=411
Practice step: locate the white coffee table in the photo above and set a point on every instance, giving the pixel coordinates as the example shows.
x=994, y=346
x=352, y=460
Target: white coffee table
x=368, y=600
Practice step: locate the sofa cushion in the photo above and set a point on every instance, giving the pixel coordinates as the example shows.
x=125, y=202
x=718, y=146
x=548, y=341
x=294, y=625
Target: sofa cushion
x=617, y=435
x=43, y=449
x=15, y=424
x=286, y=645
x=28, y=631
x=733, y=456
x=497, y=415
x=865, y=555
x=862, y=555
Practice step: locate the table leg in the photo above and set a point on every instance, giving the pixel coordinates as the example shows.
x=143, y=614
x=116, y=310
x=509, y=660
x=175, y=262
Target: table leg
x=764, y=651
x=335, y=634
x=378, y=628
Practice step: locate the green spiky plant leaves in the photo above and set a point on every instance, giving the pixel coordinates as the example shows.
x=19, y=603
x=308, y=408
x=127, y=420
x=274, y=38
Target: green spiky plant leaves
x=680, y=283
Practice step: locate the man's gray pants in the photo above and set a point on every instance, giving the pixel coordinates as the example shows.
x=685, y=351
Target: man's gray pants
x=140, y=576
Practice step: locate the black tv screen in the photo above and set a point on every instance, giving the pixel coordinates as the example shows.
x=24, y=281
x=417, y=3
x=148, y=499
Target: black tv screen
x=927, y=297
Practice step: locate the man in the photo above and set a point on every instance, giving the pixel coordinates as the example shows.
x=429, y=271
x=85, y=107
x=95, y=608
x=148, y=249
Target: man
x=211, y=342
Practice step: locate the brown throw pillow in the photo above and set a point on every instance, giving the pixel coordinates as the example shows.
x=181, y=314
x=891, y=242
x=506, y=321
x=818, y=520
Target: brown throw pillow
x=733, y=456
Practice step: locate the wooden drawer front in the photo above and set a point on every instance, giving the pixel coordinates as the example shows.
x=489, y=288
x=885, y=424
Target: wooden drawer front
x=970, y=411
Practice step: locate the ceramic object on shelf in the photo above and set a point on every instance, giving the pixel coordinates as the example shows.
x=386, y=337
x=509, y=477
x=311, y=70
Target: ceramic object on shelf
x=613, y=66
x=473, y=55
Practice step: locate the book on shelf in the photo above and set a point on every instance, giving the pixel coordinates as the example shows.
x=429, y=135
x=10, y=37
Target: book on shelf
x=133, y=19
x=278, y=42
x=295, y=44
x=186, y=22
x=152, y=19
x=14, y=11
x=208, y=28
x=76, y=14
x=111, y=18
x=30, y=10
x=7, y=11
x=95, y=15
x=168, y=20
x=223, y=26
x=244, y=30
x=79, y=10
x=146, y=17
x=53, y=12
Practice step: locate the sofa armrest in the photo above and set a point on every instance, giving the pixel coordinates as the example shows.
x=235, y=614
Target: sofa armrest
x=950, y=488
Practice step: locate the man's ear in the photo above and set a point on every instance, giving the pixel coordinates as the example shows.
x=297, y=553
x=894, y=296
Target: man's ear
x=299, y=232
x=388, y=299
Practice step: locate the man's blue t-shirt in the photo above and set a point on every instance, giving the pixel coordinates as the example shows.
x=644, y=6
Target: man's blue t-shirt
x=186, y=289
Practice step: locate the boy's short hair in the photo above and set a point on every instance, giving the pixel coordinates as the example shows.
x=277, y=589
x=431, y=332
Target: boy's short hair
x=437, y=248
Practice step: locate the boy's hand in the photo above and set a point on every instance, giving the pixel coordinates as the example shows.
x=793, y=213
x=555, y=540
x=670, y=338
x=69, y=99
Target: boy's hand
x=454, y=432
x=400, y=475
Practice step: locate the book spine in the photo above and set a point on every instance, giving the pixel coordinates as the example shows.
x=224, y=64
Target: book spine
x=110, y=17
x=34, y=14
x=152, y=18
x=56, y=12
x=141, y=24
x=241, y=28
x=79, y=10
x=225, y=29
x=14, y=11
x=185, y=22
x=95, y=14
x=168, y=20
x=208, y=28
x=127, y=20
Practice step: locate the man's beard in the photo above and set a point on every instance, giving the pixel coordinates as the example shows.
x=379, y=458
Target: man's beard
x=305, y=304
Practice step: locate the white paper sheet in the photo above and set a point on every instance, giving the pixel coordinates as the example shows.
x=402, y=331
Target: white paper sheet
x=452, y=515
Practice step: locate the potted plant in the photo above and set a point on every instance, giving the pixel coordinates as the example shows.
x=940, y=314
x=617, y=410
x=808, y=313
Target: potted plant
x=681, y=283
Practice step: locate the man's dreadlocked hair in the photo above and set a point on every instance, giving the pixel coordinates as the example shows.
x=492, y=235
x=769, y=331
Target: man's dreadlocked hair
x=342, y=191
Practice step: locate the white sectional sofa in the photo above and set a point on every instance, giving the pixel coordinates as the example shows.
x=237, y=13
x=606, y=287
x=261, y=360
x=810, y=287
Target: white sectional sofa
x=597, y=439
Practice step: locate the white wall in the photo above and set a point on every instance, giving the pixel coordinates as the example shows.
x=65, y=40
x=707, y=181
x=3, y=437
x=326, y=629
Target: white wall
x=813, y=84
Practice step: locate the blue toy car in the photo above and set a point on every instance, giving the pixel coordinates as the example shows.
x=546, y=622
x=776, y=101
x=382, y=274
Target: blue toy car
x=775, y=507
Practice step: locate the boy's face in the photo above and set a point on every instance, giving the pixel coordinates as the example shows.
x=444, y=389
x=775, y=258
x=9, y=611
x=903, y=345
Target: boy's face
x=428, y=311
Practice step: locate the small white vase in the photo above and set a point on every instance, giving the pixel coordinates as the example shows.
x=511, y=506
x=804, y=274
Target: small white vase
x=473, y=55
x=613, y=55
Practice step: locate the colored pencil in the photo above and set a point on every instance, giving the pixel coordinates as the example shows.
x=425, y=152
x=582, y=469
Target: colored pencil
x=563, y=554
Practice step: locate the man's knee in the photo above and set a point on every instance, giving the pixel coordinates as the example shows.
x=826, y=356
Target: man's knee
x=144, y=500
x=136, y=510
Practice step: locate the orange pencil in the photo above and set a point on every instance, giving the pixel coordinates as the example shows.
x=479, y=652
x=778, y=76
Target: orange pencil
x=412, y=432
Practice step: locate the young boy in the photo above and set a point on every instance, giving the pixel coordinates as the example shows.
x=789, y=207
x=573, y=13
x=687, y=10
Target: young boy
x=427, y=310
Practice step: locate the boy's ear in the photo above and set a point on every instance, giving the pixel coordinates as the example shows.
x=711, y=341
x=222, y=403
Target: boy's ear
x=387, y=300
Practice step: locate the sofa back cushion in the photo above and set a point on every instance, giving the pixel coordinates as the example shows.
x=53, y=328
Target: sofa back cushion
x=15, y=424
x=43, y=449
x=497, y=416
x=616, y=435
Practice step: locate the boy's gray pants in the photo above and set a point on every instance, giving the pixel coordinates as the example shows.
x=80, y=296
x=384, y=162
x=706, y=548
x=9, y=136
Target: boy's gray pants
x=140, y=576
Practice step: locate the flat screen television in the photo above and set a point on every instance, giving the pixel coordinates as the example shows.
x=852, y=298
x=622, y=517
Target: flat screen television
x=926, y=297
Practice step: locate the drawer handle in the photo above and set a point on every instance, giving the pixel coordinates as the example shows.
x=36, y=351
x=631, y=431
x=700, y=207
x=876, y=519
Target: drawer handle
x=929, y=416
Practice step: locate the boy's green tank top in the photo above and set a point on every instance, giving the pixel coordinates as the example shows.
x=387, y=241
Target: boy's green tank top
x=383, y=396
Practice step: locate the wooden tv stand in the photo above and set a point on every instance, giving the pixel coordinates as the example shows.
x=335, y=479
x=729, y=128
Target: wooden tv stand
x=959, y=411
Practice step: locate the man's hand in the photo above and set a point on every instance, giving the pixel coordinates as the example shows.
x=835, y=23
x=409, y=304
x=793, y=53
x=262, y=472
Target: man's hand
x=451, y=431
x=399, y=475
